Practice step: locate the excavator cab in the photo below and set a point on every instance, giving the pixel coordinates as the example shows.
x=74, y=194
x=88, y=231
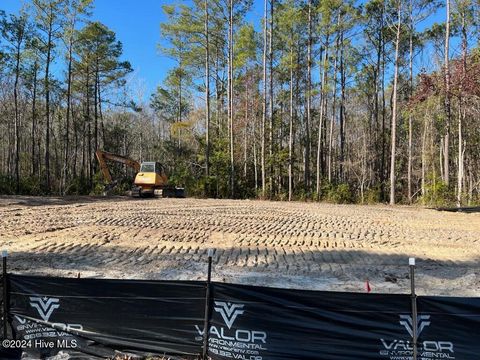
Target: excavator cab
x=150, y=177
x=150, y=167
x=152, y=181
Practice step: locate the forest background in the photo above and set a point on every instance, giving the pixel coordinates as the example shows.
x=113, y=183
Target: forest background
x=341, y=101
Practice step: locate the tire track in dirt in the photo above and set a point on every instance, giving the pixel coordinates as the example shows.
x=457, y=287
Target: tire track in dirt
x=170, y=237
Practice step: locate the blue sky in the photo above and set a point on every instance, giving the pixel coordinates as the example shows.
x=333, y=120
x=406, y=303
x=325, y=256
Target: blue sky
x=137, y=25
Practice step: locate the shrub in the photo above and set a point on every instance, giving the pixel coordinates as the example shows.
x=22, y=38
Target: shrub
x=31, y=186
x=7, y=185
x=342, y=194
x=303, y=195
x=438, y=194
x=282, y=196
x=78, y=186
x=372, y=196
x=338, y=194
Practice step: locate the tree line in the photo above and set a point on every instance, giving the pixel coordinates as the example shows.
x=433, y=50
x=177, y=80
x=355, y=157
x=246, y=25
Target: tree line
x=319, y=100
x=52, y=125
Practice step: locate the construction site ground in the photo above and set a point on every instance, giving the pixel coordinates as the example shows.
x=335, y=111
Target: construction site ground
x=295, y=245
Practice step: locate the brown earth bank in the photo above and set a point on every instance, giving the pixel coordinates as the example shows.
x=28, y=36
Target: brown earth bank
x=294, y=245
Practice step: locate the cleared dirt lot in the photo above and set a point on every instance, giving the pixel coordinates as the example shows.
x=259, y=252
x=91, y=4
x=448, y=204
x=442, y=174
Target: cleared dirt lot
x=301, y=245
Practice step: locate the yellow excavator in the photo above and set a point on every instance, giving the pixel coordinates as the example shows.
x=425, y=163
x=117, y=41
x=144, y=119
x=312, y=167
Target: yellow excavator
x=150, y=179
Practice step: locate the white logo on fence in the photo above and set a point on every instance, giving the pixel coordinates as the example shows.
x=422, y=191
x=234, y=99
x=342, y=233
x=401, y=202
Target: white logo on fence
x=422, y=322
x=21, y=320
x=229, y=311
x=45, y=306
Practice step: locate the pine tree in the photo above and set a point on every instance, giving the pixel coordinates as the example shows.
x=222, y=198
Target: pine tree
x=16, y=31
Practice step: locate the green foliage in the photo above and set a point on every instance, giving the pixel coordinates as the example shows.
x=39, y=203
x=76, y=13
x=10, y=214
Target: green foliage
x=437, y=193
x=171, y=103
x=16, y=30
x=203, y=187
x=31, y=186
x=79, y=185
x=7, y=185
x=289, y=21
x=282, y=196
x=338, y=194
x=28, y=186
x=180, y=30
x=98, y=185
x=220, y=166
x=246, y=45
x=303, y=195
x=99, y=49
x=372, y=196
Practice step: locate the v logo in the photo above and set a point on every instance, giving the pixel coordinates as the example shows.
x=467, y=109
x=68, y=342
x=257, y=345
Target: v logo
x=229, y=311
x=45, y=306
x=422, y=322
x=22, y=321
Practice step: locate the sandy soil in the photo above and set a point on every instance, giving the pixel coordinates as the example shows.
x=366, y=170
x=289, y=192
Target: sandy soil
x=298, y=245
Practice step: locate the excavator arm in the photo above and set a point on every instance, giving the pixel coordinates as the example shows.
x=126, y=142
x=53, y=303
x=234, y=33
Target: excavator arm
x=103, y=157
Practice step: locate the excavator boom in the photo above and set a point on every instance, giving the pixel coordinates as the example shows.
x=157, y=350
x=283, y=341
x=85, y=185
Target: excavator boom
x=103, y=157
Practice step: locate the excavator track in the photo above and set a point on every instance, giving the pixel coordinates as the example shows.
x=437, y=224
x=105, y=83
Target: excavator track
x=176, y=192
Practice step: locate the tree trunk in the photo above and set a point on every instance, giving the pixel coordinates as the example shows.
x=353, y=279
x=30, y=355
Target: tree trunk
x=462, y=114
x=471, y=183
x=218, y=93
x=376, y=109
x=309, y=101
x=343, y=81
x=440, y=158
x=34, y=117
x=47, y=106
x=255, y=167
x=100, y=112
x=207, y=96
x=290, y=137
x=95, y=107
x=75, y=147
x=281, y=147
x=17, y=115
x=410, y=119
x=394, y=107
x=424, y=155
x=67, y=117
x=264, y=109
x=448, y=112
x=384, y=141
x=271, y=172
x=334, y=105
x=320, y=120
x=245, y=158
x=89, y=130
x=180, y=105
x=83, y=167
x=230, y=101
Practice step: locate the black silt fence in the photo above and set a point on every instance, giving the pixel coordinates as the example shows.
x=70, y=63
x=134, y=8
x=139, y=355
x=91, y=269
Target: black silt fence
x=98, y=318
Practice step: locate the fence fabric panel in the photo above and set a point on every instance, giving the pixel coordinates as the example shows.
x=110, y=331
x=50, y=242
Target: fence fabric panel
x=99, y=316
x=258, y=323
x=449, y=328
